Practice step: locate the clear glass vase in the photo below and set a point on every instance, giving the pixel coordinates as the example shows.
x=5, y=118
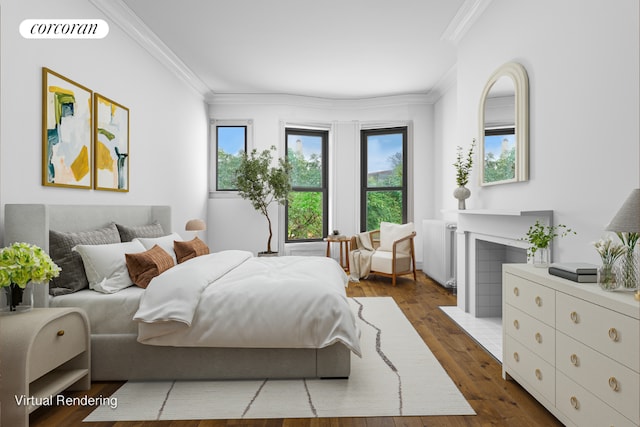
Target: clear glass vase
x=629, y=270
x=541, y=258
x=608, y=277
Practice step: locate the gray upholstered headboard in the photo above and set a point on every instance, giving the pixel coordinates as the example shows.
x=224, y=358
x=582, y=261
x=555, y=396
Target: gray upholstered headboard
x=31, y=223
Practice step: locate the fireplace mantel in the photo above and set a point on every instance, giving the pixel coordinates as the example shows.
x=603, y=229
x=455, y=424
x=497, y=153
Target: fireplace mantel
x=501, y=226
x=502, y=212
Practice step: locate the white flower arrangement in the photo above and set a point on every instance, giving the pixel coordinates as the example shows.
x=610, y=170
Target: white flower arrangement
x=609, y=250
x=22, y=263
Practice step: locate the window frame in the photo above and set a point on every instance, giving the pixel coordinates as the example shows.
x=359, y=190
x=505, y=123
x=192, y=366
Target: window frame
x=365, y=189
x=324, y=186
x=248, y=144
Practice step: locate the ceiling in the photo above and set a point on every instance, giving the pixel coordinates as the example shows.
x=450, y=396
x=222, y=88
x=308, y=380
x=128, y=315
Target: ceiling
x=339, y=49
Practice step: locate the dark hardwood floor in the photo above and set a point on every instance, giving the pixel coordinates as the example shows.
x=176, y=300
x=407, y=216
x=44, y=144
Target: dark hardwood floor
x=476, y=373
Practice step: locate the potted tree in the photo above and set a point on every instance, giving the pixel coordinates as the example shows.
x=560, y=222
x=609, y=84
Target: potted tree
x=263, y=184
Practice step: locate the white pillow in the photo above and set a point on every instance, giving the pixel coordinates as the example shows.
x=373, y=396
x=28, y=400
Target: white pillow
x=390, y=232
x=165, y=242
x=106, y=266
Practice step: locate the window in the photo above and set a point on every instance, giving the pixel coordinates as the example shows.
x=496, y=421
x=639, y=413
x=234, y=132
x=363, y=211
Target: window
x=231, y=142
x=306, y=213
x=383, y=195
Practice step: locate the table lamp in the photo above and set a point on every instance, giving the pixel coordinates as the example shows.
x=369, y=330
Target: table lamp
x=627, y=219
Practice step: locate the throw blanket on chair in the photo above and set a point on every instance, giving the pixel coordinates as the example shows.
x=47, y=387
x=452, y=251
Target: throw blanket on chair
x=360, y=258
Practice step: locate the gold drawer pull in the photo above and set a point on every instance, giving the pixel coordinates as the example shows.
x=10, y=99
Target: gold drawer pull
x=574, y=317
x=538, y=338
x=613, y=334
x=574, y=360
x=516, y=291
x=613, y=383
x=516, y=324
x=516, y=356
x=60, y=332
x=539, y=374
x=574, y=402
x=538, y=301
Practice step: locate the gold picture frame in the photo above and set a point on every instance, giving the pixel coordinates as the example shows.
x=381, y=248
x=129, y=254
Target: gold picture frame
x=67, y=149
x=111, y=145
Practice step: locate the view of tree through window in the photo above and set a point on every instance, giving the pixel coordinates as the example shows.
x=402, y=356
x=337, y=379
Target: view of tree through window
x=231, y=142
x=384, y=182
x=499, y=154
x=306, y=213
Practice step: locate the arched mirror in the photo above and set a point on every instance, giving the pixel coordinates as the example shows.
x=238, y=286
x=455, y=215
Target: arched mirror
x=504, y=126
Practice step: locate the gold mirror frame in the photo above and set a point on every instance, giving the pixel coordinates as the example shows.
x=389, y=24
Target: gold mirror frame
x=517, y=73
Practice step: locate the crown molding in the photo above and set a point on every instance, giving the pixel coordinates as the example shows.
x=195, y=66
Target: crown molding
x=467, y=15
x=446, y=82
x=134, y=27
x=316, y=102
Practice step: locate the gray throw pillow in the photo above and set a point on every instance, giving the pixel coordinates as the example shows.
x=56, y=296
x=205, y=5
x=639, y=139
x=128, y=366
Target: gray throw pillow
x=128, y=233
x=72, y=277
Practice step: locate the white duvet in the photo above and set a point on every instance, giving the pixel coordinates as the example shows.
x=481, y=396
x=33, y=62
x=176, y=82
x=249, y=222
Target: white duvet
x=232, y=299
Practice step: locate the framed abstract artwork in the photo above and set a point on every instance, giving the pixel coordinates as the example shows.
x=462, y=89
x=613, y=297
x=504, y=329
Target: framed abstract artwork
x=66, y=132
x=111, y=136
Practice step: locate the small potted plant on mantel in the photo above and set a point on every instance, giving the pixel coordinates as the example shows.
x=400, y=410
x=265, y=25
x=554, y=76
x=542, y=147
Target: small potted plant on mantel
x=463, y=167
x=263, y=184
x=540, y=237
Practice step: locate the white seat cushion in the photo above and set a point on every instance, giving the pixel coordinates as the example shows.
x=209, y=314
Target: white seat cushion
x=382, y=261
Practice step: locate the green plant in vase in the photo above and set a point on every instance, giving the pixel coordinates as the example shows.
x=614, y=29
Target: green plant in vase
x=463, y=166
x=21, y=264
x=540, y=237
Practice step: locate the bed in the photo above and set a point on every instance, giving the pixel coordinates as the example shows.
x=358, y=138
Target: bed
x=117, y=354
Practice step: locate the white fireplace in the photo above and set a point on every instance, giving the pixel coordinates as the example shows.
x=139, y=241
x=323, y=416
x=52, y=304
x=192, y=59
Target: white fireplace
x=485, y=240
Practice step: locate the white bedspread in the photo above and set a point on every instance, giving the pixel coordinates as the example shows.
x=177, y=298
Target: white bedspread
x=231, y=299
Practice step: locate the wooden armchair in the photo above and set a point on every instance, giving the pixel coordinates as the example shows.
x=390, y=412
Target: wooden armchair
x=394, y=253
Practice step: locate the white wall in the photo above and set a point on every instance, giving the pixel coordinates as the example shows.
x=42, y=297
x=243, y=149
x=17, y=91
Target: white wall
x=582, y=58
x=168, y=120
x=234, y=222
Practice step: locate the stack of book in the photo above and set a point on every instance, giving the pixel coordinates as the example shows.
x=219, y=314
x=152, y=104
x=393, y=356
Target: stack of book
x=577, y=271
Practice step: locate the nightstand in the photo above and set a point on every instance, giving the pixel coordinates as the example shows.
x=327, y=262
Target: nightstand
x=42, y=352
x=343, y=241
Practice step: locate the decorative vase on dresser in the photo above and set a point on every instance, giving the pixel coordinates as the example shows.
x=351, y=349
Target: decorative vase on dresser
x=572, y=346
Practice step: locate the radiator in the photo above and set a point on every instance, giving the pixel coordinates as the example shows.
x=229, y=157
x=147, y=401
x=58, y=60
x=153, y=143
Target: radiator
x=439, y=251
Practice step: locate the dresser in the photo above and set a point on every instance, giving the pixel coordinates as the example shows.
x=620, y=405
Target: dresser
x=42, y=352
x=572, y=346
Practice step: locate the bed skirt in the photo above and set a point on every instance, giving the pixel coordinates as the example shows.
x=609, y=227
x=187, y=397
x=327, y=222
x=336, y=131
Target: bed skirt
x=122, y=357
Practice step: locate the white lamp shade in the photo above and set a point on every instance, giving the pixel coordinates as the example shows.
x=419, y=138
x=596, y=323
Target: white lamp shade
x=195, y=225
x=628, y=217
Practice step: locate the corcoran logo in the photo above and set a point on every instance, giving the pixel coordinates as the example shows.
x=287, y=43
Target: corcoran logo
x=64, y=29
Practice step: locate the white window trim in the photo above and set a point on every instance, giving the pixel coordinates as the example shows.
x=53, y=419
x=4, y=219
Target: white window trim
x=213, y=124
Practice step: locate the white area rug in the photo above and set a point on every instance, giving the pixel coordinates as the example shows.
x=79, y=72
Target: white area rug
x=397, y=375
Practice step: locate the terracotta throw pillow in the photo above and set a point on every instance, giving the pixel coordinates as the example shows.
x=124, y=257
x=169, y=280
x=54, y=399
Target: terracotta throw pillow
x=189, y=249
x=144, y=266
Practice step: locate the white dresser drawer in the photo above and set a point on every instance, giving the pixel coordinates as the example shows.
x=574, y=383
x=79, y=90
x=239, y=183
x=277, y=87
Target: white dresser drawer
x=585, y=409
x=536, y=300
x=609, y=332
x=612, y=382
x=531, y=368
x=535, y=335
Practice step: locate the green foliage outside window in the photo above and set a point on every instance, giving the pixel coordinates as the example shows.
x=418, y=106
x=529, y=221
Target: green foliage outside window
x=502, y=168
x=305, y=213
x=228, y=165
x=385, y=205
